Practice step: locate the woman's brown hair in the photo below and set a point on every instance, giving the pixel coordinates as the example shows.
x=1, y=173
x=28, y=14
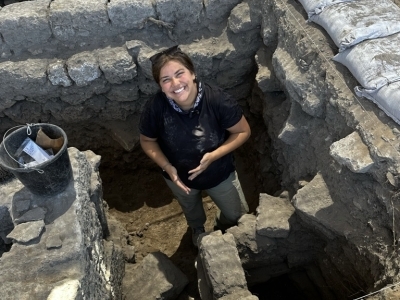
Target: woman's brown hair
x=174, y=53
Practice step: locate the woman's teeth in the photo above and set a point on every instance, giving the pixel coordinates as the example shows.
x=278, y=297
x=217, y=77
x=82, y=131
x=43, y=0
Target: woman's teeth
x=178, y=91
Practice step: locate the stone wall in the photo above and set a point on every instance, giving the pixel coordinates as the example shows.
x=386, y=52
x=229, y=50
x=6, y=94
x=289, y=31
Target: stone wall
x=336, y=155
x=58, y=248
x=89, y=60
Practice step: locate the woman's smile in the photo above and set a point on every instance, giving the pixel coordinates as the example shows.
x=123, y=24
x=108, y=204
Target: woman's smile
x=178, y=91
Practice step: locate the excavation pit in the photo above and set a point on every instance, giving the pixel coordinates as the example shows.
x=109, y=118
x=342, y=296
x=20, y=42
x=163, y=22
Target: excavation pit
x=316, y=147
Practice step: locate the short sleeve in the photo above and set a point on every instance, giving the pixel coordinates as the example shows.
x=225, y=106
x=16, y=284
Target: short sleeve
x=148, y=125
x=229, y=110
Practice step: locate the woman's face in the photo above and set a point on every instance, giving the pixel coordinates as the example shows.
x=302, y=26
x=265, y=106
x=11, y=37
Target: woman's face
x=177, y=82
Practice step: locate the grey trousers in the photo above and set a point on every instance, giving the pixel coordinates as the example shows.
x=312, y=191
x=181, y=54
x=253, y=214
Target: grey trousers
x=228, y=196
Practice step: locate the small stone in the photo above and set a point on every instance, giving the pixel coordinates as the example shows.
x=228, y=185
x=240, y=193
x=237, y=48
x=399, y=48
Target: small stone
x=352, y=153
x=26, y=232
x=67, y=290
x=391, y=179
x=22, y=205
x=396, y=132
x=273, y=216
x=284, y=194
x=53, y=242
x=302, y=183
x=35, y=214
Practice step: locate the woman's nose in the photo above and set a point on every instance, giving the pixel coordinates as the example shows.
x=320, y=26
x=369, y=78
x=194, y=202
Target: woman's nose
x=175, y=81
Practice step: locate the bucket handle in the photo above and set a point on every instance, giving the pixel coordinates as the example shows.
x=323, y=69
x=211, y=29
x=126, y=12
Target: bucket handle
x=28, y=132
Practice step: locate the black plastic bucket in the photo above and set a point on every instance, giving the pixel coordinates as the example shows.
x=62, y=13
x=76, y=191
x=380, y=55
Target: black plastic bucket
x=45, y=179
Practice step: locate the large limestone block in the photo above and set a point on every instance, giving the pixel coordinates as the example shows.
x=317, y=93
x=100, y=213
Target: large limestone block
x=25, y=24
x=352, y=153
x=316, y=207
x=116, y=64
x=58, y=74
x=254, y=249
x=83, y=68
x=156, y=278
x=220, y=260
x=273, y=214
x=26, y=78
x=203, y=54
x=240, y=18
x=308, y=92
x=172, y=11
x=217, y=10
x=76, y=19
x=128, y=14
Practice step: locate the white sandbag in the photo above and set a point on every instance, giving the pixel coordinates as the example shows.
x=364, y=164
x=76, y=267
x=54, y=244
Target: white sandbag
x=314, y=7
x=374, y=63
x=350, y=23
x=387, y=98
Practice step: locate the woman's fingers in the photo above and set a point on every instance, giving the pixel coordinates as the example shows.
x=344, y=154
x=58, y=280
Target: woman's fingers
x=198, y=169
x=195, y=174
x=180, y=184
x=184, y=188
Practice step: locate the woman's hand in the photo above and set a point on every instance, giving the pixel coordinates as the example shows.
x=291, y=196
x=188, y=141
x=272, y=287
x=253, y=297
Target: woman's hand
x=152, y=149
x=238, y=134
x=204, y=163
x=173, y=174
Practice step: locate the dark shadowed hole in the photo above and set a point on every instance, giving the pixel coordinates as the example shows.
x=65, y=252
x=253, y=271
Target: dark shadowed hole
x=4, y=247
x=280, y=288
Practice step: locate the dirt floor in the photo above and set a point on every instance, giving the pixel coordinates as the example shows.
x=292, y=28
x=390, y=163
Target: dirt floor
x=142, y=202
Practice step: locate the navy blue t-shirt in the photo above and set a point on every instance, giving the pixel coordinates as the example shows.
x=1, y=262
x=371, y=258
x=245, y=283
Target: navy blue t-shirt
x=185, y=137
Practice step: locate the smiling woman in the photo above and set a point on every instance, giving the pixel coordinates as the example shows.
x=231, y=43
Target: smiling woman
x=190, y=129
